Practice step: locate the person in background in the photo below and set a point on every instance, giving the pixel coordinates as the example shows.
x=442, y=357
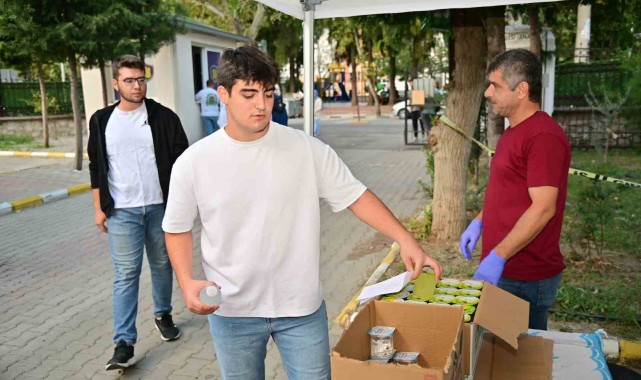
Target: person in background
x=525, y=197
x=132, y=147
x=415, y=115
x=279, y=113
x=209, y=107
x=318, y=106
x=256, y=186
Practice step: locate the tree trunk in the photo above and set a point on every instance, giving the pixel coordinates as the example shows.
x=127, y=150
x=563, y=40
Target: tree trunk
x=372, y=98
x=535, y=29
x=353, y=77
x=257, y=21
x=43, y=105
x=451, y=149
x=103, y=81
x=292, y=74
x=392, y=76
x=75, y=105
x=414, y=59
x=495, y=45
x=372, y=94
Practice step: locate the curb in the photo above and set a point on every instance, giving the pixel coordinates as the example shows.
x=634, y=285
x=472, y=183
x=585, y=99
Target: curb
x=343, y=318
x=11, y=153
x=48, y=197
x=630, y=350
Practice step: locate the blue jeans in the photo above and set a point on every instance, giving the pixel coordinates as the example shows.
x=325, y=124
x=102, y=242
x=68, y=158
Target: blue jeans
x=316, y=127
x=210, y=123
x=540, y=294
x=131, y=230
x=241, y=345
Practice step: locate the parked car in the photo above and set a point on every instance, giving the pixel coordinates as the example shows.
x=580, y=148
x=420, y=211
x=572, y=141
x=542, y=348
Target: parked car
x=431, y=108
x=399, y=110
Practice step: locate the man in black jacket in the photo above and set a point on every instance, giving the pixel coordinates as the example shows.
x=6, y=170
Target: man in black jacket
x=132, y=147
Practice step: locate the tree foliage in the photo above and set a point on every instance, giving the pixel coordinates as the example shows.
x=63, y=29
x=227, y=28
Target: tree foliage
x=91, y=32
x=243, y=17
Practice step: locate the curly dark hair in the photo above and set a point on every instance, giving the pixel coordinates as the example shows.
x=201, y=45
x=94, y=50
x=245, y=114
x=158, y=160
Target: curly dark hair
x=246, y=63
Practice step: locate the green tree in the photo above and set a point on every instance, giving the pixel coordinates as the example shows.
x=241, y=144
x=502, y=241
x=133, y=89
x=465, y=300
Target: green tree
x=341, y=30
x=144, y=27
x=367, y=34
x=118, y=27
x=244, y=17
x=284, y=37
x=22, y=46
x=614, y=23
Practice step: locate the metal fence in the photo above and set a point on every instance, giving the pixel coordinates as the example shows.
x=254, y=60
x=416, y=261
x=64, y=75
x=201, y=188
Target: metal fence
x=22, y=99
x=573, y=81
x=585, y=125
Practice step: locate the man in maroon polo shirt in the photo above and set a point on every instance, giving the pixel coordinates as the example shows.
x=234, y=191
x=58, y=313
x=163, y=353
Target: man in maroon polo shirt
x=525, y=197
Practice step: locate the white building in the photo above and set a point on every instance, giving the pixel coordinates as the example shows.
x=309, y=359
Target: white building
x=177, y=71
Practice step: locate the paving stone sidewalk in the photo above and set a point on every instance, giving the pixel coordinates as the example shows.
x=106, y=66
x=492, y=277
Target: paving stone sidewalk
x=56, y=275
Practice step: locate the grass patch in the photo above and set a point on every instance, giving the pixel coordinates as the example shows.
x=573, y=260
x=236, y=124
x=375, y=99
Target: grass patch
x=602, y=215
x=601, y=232
x=18, y=142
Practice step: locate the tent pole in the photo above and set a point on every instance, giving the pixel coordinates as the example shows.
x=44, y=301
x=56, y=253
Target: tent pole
x=308, y=67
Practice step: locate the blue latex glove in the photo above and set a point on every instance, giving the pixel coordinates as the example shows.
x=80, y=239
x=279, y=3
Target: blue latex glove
x=470, y=237
x=490, y=269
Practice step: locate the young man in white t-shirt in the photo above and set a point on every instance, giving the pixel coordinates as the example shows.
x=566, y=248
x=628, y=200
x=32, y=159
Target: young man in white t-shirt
x=256, y=186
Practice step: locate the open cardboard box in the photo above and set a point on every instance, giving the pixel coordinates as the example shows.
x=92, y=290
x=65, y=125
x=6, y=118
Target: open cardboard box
x=434, y=331
x=499, y=361
x=500, y=312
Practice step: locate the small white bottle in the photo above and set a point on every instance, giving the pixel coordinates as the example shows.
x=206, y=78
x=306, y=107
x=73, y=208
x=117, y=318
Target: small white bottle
x=210, y=295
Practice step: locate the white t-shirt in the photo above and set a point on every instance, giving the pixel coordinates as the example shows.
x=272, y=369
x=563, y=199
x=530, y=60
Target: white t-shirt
x=133, y=173
x=259, y=206
x=209, y=102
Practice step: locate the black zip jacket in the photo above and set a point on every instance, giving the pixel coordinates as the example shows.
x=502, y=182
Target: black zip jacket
x=169, y=138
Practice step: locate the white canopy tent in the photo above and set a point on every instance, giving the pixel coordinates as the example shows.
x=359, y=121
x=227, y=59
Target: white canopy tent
x=308, y=10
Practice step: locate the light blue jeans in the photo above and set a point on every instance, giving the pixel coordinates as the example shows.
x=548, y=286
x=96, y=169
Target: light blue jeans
x=540, y=294
x=241, y=345
x=131, y=230
x=210, y=123
x=316, y=127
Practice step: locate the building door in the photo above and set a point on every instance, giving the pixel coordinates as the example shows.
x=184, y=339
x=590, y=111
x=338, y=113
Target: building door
x=197, y=66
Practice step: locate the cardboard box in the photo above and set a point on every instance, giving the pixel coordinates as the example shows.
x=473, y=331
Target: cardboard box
x=418, y=98
x=434, y=331
x=500, y=312
x=500, y=361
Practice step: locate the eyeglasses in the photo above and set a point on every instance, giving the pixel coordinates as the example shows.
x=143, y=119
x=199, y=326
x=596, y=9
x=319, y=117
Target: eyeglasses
x=130, y=81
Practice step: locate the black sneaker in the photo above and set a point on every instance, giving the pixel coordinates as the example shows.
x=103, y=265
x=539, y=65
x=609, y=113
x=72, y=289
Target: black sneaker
x=165, y=325
x=122, y=353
